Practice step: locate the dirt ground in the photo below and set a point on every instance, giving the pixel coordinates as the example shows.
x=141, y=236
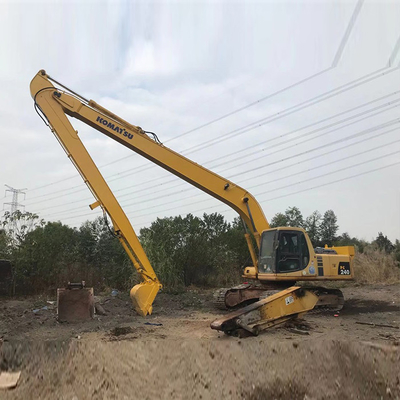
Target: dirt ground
x=173, y=354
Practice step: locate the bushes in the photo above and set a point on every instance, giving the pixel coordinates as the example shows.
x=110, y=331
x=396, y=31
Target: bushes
x=194, y=251
x=376, y=266
x=51, y=255
x=183, y=251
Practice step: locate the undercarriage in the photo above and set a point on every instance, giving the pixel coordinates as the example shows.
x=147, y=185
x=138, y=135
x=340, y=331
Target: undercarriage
x=247, y=293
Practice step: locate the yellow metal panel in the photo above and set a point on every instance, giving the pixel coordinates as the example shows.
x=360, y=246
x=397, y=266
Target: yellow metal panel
x=135, y=138
x=55, y=104
x=345, y=250
x=43, y=94
x=287, y=302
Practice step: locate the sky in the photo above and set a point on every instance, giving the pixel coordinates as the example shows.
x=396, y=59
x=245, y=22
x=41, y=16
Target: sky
x=298, y=102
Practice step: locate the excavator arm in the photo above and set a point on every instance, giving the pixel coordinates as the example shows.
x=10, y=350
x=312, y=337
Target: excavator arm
x=47, y=100
x=55, y=104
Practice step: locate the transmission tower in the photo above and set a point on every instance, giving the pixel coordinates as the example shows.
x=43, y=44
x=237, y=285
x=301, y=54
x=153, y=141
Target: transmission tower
x=12, y=225
x=14, y=203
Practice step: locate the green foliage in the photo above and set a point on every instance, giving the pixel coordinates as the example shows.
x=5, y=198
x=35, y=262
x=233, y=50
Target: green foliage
x=100, y=251
x=18, y=224
x=238, y=245
x=51, y=255
x=396, y=252
x=345, y=240
x=383, y=243
x=193, y=251
x=5, y=244
x=292, y=217
x=328, y=228
x=45, y=255
x=184, y=251
x=278, y=220
x=312, y=226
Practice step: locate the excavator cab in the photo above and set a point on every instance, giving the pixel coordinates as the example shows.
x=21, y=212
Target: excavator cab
x=282, y=251
x=287, y=254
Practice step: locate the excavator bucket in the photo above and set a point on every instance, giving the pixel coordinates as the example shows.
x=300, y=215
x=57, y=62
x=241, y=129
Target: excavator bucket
x=268, y=312
x=143, y=295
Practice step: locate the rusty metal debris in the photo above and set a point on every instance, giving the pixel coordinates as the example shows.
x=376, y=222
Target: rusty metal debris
x=75, y=303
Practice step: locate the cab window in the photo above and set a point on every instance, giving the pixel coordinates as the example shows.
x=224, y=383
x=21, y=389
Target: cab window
x=292, y=252
x=267, y=252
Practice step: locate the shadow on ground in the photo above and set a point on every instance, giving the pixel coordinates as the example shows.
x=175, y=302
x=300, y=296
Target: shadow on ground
x=354, y=306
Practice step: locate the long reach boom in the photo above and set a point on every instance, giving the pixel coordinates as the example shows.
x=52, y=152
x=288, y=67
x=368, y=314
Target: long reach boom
x=55, y=102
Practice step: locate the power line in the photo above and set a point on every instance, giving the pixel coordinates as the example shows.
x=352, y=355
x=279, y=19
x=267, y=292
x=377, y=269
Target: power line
x=213, y=165
x=281, y=114
x=123, y=189
x=53, y=198
x=305, y=180
x=377, y=127
x=255, y=125
x=269, y=191
x=63, y=190
x=335, y=61
x=313, y=124
x=288, y=111
x=394, y=53
x=312, y=150
x=288, y=176
x=336, y=181
x=263, y=174
x=347, y=33
x=318, y=130
x=333, y=172
x=277, y=115
x=328, y=163
x=308, y=151
x=293, y=193
x=298, y=173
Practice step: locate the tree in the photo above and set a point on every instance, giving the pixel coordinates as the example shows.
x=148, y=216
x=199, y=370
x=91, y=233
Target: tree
x=5, y=241
x=312, y=226
x=294, y=217
x=103, y=256
x=279, y=219
x=397, y=251
x=18, y=224
x=238, y=245
x=45, y=257
x=345, y=240
x=173, y=245
x=328, y=228
x=383, y=243
x=291, y=217
x=193, y=251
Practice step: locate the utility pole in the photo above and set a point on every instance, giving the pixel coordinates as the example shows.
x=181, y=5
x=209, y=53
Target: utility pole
x=14, y=203
x=12, y=225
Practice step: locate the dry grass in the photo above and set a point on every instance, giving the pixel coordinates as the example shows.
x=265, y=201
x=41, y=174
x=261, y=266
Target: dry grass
x=374, y=266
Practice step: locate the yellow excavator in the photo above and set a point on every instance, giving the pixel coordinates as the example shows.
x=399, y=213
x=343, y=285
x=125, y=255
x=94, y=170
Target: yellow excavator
x=282, y=257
